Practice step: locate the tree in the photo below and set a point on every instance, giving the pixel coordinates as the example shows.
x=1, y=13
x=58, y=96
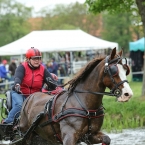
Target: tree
x=116, y=28
x=73, y=16
x=116, y=6
x=13, y=21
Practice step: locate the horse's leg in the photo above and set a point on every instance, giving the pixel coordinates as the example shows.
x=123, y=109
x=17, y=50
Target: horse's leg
x=69, y=135
x=68, y=138
x=100, y=138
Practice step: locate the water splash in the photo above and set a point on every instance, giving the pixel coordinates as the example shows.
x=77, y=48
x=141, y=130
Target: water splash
x=127, y=137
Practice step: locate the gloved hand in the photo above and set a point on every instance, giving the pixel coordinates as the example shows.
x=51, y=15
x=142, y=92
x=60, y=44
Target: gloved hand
x=55, y=77
x=17, y=89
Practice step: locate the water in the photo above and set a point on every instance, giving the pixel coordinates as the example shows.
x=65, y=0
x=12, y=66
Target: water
x=127, y=137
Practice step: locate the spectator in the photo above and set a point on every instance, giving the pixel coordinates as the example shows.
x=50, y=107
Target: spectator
x=54, y=66
x=3, y=72
x=62, y=73
x=12, y=68
x=49, y=66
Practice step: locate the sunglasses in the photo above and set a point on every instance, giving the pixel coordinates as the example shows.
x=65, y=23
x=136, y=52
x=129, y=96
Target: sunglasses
x=36, y=58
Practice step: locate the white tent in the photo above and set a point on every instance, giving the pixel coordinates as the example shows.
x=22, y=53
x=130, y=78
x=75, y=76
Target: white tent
x=55, y=41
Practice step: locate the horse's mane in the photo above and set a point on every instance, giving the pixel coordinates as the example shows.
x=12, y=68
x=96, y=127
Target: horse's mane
x=83, y=73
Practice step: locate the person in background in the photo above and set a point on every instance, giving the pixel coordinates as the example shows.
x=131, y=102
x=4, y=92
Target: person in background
x=49, y=66
x=12, y=68
x=4, y=72
x=43, y=64
x=62, y=73
x=54, y=66
x=30, y=76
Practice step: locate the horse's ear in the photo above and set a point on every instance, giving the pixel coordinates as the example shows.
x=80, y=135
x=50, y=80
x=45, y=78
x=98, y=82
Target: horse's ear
x=113, y=53
x=120, y=52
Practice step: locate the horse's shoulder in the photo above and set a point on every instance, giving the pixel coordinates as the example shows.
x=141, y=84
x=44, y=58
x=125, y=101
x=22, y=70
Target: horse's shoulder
x=38, y=97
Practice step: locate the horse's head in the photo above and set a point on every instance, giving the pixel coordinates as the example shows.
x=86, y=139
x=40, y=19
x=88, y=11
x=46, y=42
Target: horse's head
x=115, y=79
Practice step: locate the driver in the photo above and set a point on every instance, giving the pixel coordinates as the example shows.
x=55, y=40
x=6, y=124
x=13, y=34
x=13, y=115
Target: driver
x=30, y=76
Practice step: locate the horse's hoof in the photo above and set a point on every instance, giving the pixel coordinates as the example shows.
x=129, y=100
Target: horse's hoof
x=106, y=140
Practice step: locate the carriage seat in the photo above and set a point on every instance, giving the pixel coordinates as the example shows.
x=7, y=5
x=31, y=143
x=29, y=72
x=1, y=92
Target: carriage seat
x=8, y=100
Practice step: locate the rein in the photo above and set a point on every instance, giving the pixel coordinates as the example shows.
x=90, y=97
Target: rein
x=95, y=93
x=115, y=91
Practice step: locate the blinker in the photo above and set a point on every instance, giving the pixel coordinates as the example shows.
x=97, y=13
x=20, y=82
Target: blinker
x=113, y=69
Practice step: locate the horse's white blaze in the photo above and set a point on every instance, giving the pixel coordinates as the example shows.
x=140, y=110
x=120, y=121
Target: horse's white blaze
x=126, y=90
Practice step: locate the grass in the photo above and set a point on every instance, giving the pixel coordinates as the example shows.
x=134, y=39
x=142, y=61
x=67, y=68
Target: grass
x=130, y=114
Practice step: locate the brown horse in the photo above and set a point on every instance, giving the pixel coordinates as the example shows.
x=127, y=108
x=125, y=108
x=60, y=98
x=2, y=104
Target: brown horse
x=76, y=115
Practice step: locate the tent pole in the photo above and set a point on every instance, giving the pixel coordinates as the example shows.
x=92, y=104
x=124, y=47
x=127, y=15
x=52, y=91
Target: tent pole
x=44, y=57
x=21, y=59
x=71, y=63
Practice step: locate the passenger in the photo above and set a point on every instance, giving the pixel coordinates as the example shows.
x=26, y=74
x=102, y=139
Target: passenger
x=30, y=76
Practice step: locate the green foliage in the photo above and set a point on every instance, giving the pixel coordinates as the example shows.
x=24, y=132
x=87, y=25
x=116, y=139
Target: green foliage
x=120, y=20
x=116, y=28
x=73, y=16
x=113, y=6
x=13, y=19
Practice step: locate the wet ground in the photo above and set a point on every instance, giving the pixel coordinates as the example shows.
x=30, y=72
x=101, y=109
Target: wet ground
x=127, y=137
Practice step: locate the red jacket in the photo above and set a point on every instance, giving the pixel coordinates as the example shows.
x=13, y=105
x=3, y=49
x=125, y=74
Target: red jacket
x=33, y=79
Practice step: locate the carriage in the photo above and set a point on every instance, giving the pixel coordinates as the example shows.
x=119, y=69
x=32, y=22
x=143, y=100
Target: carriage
x=6, y=130
x=74, y=115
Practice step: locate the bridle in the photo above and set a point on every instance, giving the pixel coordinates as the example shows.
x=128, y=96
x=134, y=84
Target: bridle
x=111, y=69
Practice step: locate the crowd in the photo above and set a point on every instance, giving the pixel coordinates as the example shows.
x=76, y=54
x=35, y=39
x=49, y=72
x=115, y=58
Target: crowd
x=7, y=71
x=59, y=69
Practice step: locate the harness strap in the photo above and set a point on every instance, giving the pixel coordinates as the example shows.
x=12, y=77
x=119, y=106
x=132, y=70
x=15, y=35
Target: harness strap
x=75, y=112
x=34, y=125
x=64, y=103
x=95, y=93
x=117, y=85
x=79, y=113
x=79, y=101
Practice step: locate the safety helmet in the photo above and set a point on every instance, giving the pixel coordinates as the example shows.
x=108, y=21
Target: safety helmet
x=33, y=52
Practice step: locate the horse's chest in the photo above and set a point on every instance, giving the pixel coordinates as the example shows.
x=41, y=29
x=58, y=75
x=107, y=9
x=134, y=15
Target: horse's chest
x=94, y=125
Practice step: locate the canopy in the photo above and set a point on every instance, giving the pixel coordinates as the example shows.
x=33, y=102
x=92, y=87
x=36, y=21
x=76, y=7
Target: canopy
x=55, y=41
x=137, y=45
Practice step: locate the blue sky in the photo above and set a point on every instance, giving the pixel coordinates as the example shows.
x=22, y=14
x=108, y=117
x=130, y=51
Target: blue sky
x=38, y=4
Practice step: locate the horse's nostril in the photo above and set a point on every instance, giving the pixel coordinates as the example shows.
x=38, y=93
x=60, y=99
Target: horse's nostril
x=126, y=94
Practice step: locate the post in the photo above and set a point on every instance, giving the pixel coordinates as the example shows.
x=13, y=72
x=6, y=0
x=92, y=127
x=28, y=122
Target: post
x=143, y=86
x=71, y=63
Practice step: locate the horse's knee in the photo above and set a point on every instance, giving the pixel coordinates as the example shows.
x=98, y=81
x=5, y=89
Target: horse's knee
x=100, y=138
x=106, y=140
